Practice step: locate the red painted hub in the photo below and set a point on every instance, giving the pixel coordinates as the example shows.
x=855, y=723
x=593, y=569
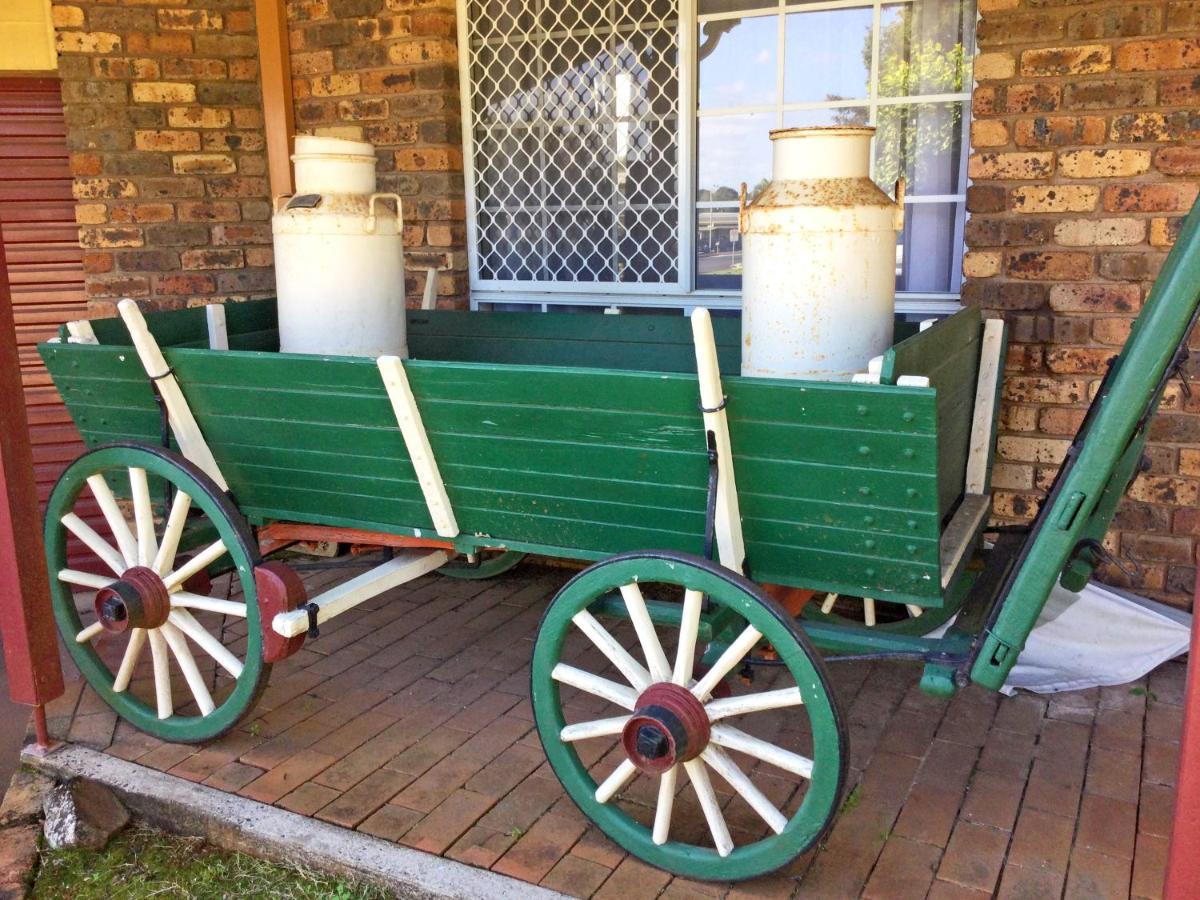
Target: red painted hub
x=669, y=726
x=139, y=599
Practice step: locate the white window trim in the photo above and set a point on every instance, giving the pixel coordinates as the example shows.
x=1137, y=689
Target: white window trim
x=486, y=293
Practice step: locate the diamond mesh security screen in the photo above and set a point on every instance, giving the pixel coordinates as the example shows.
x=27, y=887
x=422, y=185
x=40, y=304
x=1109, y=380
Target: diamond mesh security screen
x=574, y=127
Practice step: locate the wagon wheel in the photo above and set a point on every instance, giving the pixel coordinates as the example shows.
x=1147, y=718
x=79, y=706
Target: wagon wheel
x=632, y=728
x=490, y=564
x=884, y=615
x=205, y=667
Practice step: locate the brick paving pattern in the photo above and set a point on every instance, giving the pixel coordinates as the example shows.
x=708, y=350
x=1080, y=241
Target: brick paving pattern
x=409, y=719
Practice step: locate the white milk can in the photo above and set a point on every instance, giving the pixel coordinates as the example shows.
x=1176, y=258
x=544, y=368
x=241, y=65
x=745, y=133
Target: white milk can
x=819, y=270
x=339, y=257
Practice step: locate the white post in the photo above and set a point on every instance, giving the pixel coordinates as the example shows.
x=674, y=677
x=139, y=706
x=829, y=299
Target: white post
x=731, y=550
x=429, y=298
x=80, y=332
x=408, y=417
x=183, y=423
x=990, y=365
x=218, y=334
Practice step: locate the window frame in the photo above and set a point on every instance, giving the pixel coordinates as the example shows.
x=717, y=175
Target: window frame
x=683, y=294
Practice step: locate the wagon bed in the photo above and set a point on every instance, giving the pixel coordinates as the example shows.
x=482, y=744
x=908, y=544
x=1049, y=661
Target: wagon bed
x=575, y=436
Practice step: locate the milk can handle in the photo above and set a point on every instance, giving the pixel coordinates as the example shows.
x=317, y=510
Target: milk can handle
x=901, y=184
x=384, y=195
x=279, y=197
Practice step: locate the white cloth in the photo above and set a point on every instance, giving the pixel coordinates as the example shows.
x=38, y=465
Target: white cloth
x=1096, y=637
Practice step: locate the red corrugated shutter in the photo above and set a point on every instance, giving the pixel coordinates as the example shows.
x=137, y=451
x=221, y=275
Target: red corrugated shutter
x=41, y=241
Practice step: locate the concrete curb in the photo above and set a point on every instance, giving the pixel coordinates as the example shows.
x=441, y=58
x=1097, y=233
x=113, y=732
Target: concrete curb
x=236, y=823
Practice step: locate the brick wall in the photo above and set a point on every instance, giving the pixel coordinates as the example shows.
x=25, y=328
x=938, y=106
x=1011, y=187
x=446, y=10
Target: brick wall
x=1085, y=157
x=386, y=71
x=165, y=130
x=165, y=127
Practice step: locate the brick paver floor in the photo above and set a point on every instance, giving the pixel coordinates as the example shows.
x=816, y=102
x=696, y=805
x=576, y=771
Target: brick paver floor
x=409, y=719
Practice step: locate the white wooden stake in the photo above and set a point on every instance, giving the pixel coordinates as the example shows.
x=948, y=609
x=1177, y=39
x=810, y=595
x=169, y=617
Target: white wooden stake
x=404, y=404
x=429, y=298
x=218, y=333
x=731, y=549
x=985, y=405
x=183, y=423
x=80, y=332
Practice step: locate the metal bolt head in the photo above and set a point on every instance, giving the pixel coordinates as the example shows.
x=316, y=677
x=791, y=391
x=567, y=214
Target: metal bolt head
x=652, y=743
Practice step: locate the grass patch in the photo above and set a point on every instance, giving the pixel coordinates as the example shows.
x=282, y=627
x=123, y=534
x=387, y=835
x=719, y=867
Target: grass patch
x=142, y=862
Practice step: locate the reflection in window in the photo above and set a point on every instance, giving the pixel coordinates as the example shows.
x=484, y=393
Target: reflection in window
x=903, y=67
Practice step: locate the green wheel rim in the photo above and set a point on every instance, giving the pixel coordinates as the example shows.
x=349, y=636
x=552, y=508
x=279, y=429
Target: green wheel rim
x=488, y=567
x=160, y=466
x=727, y=590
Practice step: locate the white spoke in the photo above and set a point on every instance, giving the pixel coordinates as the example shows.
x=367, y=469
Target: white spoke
x=656, y=660
x=869, y=612
x=614, y=782
x=90, y=632
x=750, y=703
x=84, y=579
x=162, y=674
x=731, y=657
x=188, y=600
x=187, y=664
x=712, y=809
x=183, y=620
x=165, y=557
x=133, y=650
x=598, y=728
x=914, y=610
x=735, y=739
x=116, y=521
x=827, y=606
x=721, y=763
x=197, y=563
x=693, y=603
x=595, y=685
x=666, y=804
x=98, y=545
x=633, y=671
x=143, y=515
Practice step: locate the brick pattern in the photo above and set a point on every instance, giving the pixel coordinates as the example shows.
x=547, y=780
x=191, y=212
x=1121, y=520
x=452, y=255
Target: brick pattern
x=409, y=719
x=164, y=125
x=386, y=71
x=1084, y=161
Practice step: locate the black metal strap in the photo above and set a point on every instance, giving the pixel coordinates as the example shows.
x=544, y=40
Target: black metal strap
x=710, y=509
x=313, y=631
x=170, y=371
x=716, y=409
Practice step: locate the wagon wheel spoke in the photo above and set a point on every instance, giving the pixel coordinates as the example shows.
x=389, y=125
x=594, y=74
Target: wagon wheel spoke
x=185, y=622
x=752, y=703
x=617, y=780
x=656, y=659
x=116, y=520
x=721, y=763
x=195, y=565
x=595, y=685
x=634, y=672
x=689, y=627
x=735, y=739
x=187, y=664
x=597, y=728
x=172, y=532
x=143, y=515
x=188, y=600
x=133, y=652
x=83, y=579
x=665, y=805
x=87, y=634
x=162, y=675
x=711, y=807
x=94, y=542
x=725, y=664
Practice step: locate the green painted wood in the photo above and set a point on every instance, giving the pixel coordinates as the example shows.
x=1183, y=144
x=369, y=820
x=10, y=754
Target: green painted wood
x=948, y=354
x=251, y=325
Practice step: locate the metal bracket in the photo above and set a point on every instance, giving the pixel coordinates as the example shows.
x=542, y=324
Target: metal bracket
x=710, y=507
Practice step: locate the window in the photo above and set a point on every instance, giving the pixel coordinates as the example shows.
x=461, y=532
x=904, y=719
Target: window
x=607, y=139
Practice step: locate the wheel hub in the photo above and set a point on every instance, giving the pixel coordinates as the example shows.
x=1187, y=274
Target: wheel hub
x=138, y=599
x=669, y=726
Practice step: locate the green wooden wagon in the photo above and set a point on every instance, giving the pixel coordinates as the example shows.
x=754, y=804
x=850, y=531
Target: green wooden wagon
x=629, y=443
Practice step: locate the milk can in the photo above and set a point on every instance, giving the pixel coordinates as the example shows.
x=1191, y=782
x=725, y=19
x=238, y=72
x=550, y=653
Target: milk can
x=339, y=258
x=819, y=271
